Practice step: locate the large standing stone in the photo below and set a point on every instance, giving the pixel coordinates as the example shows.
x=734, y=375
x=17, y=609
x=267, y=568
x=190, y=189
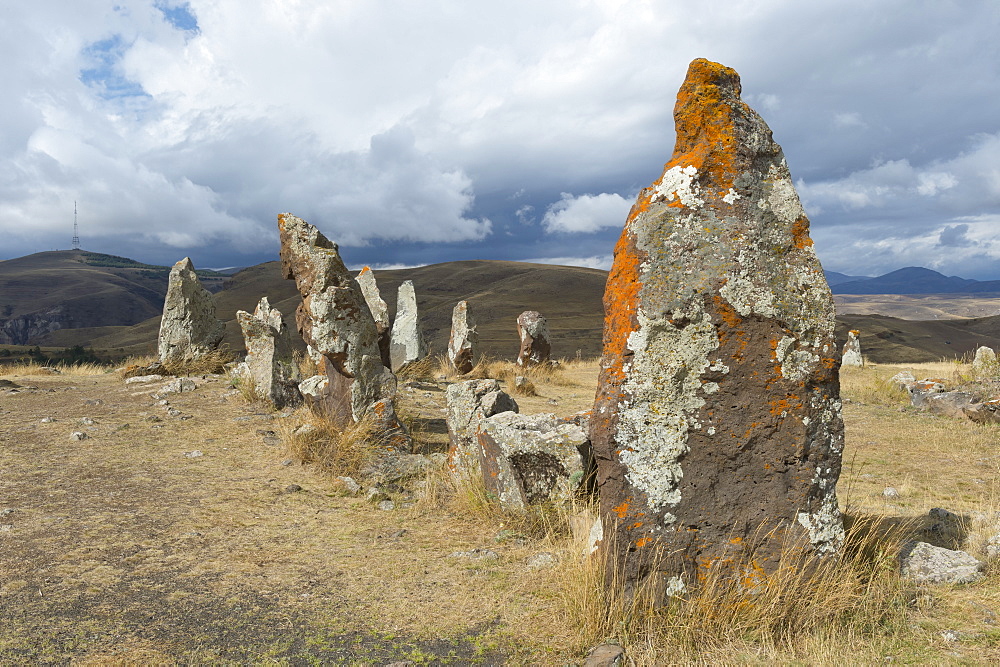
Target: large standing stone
x=335, y=322
x=468, y=404
x=464, y=339
x=852, y=350
x=985, y=362
x=717, y=425
x=270, y=361
x=379, y=311
x=533, y=331
x=407, y=343
x=188, y=329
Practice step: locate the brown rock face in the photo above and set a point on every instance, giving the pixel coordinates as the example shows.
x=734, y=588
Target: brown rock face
x=379, y=311
x=334, y=320
x=464, y=339
x=533, y=331
x=717, y=425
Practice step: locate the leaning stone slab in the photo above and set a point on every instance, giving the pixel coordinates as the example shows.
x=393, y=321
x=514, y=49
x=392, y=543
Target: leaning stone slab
x=852, y=350
x=407, y=342
x=533, y=331
x=379, y=311
x=468, y=404
x=464, y=339
x=925, y=563
x=717, y=425
x=188, y=329
x=270, y=364
x=532, y=458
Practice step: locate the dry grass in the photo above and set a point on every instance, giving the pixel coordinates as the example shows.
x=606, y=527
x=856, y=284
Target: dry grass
x=213, y=362
x=34, y=368
x=332, y=449
x=422, y=369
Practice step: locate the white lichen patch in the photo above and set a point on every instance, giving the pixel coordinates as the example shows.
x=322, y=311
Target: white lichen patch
x=731, y=196
x=782, y=198
x=678, y=182
x=825, y=526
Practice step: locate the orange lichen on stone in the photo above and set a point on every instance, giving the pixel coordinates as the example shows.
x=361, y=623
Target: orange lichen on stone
x=621, y=299
x=787, y=404
x=621, y=510
x=642, y=541
x=800, y=233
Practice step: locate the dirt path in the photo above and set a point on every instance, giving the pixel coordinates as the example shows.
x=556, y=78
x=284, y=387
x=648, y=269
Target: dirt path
x=129, y=546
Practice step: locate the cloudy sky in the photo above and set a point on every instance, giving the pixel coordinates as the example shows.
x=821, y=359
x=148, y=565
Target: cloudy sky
x=416, y=132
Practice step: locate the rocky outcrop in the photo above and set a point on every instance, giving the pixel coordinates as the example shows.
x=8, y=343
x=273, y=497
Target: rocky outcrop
x=717, y=426
x=532, y=458
x=270, y=364
x=379, y=311
x=464, y=339
x=852, y=350
x=921, y=390
x=468, y=404
x=407, y=342
x=533, y=331
x=334, y=320
x=984, y=365
x=189, y=329
x=926, y=563
x=21, y=330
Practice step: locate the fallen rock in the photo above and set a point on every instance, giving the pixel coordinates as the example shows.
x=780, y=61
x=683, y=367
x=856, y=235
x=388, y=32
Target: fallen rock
x=533, y=331
x=468, y=403
x=852, y=350
x=143, y=379
x=902, y=379
x=270, y=364
x=717, y=424
x=948, y=403
x=464, y=339
x=476, y=554
x=987, y=412
x=921, y=389
x=189, y=329
x=926, y=563
x=78, y=435
x=349, y=485
x=605, y=655
x=178, y=386
x=379, y=310
x=406, y=344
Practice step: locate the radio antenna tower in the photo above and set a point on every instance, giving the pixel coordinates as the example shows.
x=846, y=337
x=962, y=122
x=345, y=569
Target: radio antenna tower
x=76, y=230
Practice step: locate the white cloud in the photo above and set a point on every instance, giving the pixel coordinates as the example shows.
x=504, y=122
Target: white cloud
x=586, y=213
x=602, y=262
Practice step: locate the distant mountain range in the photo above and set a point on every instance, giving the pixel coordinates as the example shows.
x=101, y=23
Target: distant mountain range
x=911, y=280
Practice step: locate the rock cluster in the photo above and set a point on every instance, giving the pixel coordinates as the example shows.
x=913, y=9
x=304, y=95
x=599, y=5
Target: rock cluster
x=468, y=403
x=189, y=329
x=379, y=311
x=407, y=342
x=533, y=331
x=464, y=339
x=852, y=350
x=270, y=364
x=717, y=426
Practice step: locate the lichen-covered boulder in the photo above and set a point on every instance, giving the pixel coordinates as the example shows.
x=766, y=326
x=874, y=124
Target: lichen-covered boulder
x=949, y=403
x=270, y=364
x=407, y=343
x=920, y=390
x=532, y=458
x=717, y=425
x=985, y=362
x=464, y=339
x=189, y=328
x=468, y=404
x=335, y=322
x=852, y=350
x=533, y=331
x=379, y=311
x=926, y=563
x=987, y=412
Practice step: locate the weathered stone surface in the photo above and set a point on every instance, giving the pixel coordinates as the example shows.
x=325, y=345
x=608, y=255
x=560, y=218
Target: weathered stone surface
x=948, y=403
x=987, y=412
x=270, y=363
x=335, y=322
x=188, y=329
x=605, y=655
x=985, y=362
x=717, y=425
x=407, y=342
x=532, y=458
x=469, y=403
x=464, y=339
x=925, y=563
x=852, y=350
x=533, y=330
x=920, y=390
x=902, y=379
x=379, y=311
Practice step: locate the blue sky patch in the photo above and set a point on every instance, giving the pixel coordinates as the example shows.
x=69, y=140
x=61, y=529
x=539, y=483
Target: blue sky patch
x=180, y=16
x=103, y=74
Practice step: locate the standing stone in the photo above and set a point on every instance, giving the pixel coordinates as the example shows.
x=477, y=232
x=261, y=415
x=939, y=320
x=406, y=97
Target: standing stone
x=717, y=425
x=407, y=343
x=533, y=331
x=469, y=403
x=379, y=311
x=464, y=339
x=985, y=362
x=852, y=350
x=270, y=363
x=188, y=329
x=335, y=322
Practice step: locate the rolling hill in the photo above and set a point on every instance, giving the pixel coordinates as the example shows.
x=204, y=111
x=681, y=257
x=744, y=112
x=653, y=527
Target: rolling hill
x=915, y=280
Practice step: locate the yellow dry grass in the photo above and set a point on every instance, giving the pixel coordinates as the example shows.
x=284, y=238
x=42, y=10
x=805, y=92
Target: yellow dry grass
x=34, y=368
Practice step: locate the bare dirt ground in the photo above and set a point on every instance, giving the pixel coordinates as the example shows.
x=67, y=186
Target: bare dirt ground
x=130, y=547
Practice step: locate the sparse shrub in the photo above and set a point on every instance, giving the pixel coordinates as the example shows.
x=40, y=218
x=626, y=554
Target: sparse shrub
x=334, y=450
x=212, y=362
x=871, y=386
x=422, y=369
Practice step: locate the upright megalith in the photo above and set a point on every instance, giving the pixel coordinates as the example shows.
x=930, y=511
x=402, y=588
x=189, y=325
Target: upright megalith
x=464, y=339
x=189, y=329
x=984, y=364
x=533, y=331
x=407, y=342
x=379, y=311
x=851, y=355
x=270, y=364
x=335, y=322
x=717, y=425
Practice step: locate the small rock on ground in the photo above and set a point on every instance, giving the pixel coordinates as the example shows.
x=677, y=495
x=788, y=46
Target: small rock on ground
x=605, y=655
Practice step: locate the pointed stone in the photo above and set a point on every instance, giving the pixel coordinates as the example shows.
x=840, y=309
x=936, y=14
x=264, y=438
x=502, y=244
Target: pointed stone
x=985, y=362
x=379, y=311
x=852, y=350
x=533, y=331
x=462, y=345
x=407, y=343
x=189, y=329
x=717, y=425
x=335, y=322
x=270, y=362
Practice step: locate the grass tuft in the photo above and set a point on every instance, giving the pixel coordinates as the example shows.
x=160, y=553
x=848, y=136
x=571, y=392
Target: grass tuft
x=332, y=449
